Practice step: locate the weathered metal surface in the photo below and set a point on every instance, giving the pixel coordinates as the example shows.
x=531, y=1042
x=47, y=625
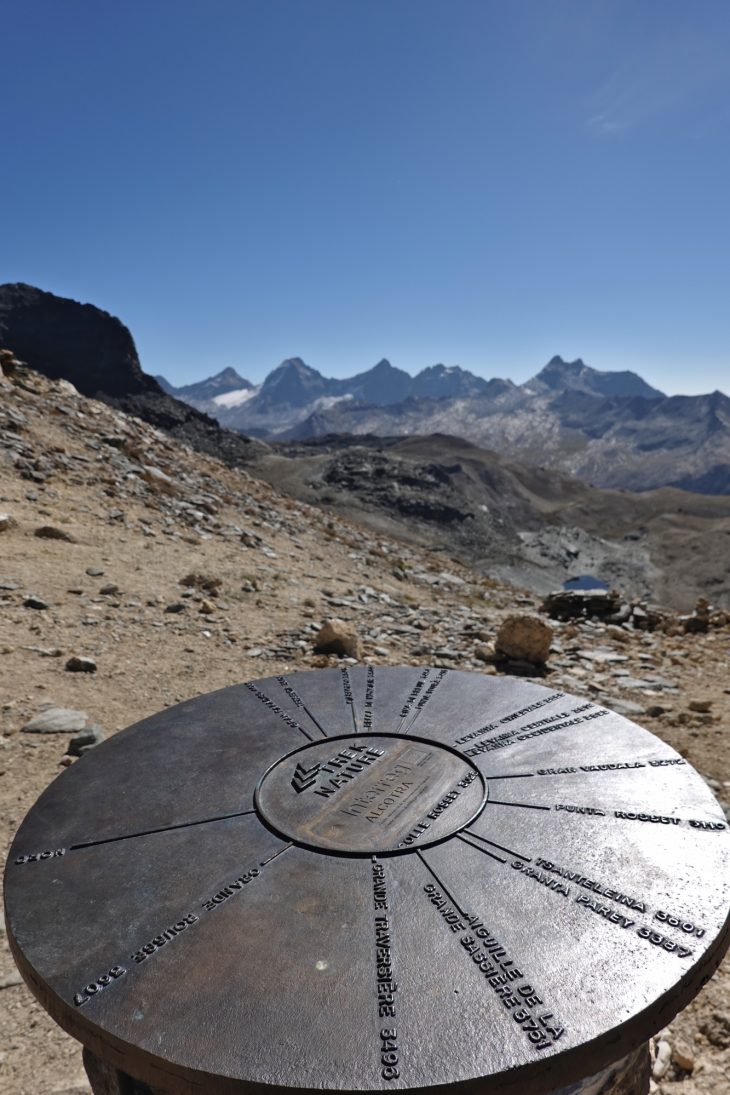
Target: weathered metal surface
x=371, y=879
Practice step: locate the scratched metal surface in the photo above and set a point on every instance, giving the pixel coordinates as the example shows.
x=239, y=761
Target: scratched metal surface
x=371, y=879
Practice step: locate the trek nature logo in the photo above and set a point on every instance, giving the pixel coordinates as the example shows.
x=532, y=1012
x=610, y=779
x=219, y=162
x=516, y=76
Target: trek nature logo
x=326, y=779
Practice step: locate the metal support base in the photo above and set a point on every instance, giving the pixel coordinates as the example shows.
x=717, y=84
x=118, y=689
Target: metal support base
x=629, y=1076
x=107, y=1080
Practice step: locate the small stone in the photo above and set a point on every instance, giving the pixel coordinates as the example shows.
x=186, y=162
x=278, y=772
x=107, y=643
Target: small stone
x=520, y=667
x=6, y=522
x=524, y=638
x=94, y=572
x=9, y=980
x=45, y=651
x=57, y=720
x=50, y=532
x=66, y=761
x=663, y=1060
x=35, y=602
x=682, y=1057
x=700, y=706
x=337, y=637
x=80, y=665
x=484, y=652
x=207, y=608
x=88, y=738
x=109, y=590
x=156, y=476
x=177, y=606
x=204, y=582
x=625, y=707
x=694, y=625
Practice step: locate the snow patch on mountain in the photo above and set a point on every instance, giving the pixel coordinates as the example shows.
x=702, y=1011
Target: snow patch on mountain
x=235, y=398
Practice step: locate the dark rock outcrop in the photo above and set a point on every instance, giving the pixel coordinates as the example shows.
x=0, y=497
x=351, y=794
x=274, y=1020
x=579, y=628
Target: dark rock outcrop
x=64, y=339
x=67, y=340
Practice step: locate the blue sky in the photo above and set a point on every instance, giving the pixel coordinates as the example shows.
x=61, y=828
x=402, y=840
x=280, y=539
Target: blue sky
x=476, y=183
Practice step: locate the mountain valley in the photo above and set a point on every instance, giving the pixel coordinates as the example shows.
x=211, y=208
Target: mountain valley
x=528, y=526
x=524, y=518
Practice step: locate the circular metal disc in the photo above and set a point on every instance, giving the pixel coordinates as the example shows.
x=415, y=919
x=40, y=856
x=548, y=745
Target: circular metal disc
x=371, y=879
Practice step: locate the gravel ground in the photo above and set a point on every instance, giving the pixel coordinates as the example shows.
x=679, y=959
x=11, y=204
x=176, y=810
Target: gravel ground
x=137, y=514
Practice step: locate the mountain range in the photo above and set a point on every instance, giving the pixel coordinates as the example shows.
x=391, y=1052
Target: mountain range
x=609, y=428
x=521, y=520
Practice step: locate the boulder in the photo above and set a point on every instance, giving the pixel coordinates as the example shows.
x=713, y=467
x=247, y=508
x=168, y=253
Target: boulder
x=524, y=639
x=337, y=637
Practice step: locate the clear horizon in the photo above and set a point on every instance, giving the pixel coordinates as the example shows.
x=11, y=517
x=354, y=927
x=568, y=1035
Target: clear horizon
x=476, y=184
x=355, y=371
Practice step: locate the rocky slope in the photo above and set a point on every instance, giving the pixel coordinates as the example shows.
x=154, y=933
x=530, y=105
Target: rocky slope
x=96, y=352
x=530, y=526
x=174, y=574
x=627, y=443
x=609, y=428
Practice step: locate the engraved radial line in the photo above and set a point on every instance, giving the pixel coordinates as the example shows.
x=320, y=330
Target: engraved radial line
x=518, y=775
x=524, y=805
x=518, y=855
x=192, y=922
x=162, y=829
x=368, y=700
x=299, y=702
x=440, y=883
x=349, y=699
x=280, y=852
x=411, y=698
x=284, y=715
x=430, y=686
x=478, y=848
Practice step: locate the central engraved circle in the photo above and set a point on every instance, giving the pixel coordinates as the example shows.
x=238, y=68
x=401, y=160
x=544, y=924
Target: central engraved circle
x=370, y=794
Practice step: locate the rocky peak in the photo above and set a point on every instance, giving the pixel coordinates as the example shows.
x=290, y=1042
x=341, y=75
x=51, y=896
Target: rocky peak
x=201, y=391
x=447, y=381
x=65, y=339
x=228, y=380
x=382, y=385
x=293, y=382
x=560, y=375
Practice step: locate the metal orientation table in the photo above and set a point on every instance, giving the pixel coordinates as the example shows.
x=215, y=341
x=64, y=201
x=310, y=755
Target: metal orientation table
x=368, y=879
